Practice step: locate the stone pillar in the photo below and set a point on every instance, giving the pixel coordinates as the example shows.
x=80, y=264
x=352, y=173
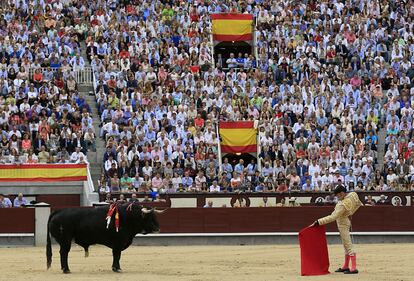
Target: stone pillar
x=42, y=212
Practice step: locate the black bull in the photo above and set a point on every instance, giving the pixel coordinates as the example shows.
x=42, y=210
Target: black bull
x=88, y=226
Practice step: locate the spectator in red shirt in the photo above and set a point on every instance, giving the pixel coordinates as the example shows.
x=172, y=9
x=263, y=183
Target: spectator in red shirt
x=199, y=122
x=356, y=81
x=124, y=54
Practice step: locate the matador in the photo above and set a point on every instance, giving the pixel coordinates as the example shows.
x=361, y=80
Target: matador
x=347, y=205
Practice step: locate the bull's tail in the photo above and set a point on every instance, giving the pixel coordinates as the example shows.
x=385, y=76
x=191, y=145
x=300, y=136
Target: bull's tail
x=49, y=245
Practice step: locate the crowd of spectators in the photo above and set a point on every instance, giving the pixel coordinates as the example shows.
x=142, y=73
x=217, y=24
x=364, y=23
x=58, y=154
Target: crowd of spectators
x=340, y=72
x=329, y=76
x=43, y=118
x=240, y=202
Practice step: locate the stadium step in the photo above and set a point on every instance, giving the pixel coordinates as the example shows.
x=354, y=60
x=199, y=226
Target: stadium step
x=382, y=134
x=85, y=88
x=95, y=170
x=95, y=158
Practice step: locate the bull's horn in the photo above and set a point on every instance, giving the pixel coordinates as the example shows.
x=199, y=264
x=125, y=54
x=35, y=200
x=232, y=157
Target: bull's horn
x=159, y=211
x=146, y=211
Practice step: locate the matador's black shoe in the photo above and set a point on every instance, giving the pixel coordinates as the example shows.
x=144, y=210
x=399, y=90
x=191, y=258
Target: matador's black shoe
x=352, y=271
x=344, y=270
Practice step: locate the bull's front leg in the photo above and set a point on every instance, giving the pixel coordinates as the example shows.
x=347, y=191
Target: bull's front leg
x=116, y=253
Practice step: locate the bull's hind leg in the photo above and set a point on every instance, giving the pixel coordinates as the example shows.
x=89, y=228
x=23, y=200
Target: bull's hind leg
x=64, y=251
x=116, y=257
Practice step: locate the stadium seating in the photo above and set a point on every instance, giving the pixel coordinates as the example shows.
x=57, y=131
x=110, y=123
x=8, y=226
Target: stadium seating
x=331, y=86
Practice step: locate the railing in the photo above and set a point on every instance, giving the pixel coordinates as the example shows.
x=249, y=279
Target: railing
x=89, y=194
x=255, y=50
x=213, y=61
x=84, y=76
x=219, y=148
x=235, y=69
x=94, y=82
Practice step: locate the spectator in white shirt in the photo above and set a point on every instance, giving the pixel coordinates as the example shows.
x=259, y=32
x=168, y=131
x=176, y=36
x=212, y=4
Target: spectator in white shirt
x=109, y=162
x=214, y=187
x=76, y=155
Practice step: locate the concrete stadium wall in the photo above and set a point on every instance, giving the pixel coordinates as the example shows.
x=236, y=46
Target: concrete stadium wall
x=39, y=188
x=17, y=239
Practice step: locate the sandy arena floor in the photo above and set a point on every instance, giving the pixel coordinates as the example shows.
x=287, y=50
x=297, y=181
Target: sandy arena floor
x=376, y=262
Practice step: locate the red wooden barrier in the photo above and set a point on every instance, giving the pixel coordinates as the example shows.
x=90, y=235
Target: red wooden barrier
x=61, y=200
x=227, y=220
x=17, y=220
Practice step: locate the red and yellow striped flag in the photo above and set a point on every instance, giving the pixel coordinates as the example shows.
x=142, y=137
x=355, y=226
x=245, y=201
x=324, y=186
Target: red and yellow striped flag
x=232, y=27
x=43, y=172
x=238, y=137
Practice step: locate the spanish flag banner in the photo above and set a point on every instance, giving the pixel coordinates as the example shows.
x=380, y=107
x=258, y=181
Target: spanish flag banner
x=232, y=27
x=238, y=137
x=43, y=172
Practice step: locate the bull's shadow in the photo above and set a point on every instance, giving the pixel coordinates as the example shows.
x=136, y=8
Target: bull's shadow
x=114, y=226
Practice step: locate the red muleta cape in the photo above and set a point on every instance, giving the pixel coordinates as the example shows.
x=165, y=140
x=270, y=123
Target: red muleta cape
x=313, y=251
